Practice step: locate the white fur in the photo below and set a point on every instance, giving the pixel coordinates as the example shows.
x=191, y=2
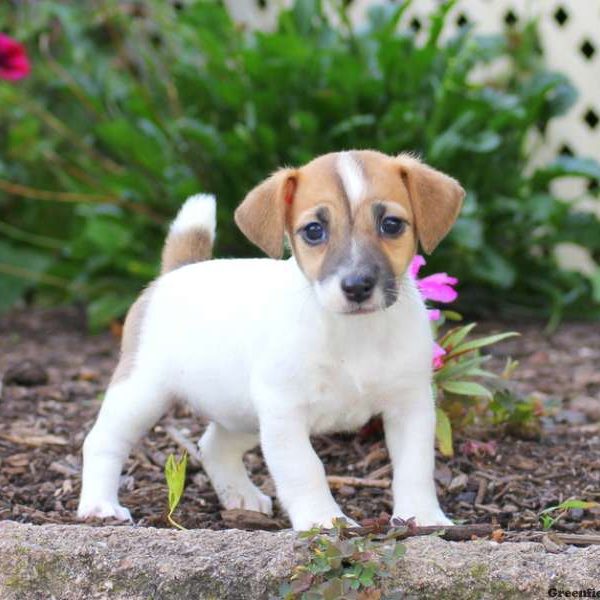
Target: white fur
x=249, y=346
x=352, y=176
x=197, y=210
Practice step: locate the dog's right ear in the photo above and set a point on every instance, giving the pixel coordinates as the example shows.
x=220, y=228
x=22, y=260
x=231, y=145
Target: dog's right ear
x=262, y=214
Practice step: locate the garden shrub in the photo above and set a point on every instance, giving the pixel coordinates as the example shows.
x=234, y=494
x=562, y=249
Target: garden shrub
x=130, y=107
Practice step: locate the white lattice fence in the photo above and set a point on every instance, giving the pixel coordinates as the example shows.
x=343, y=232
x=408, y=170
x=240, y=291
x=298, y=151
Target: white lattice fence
x=570, y=35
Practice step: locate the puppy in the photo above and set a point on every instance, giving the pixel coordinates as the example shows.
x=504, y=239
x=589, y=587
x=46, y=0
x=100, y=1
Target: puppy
x=273, y=351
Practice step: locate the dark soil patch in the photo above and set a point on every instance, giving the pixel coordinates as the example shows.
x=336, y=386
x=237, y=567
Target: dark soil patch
x=43, y=424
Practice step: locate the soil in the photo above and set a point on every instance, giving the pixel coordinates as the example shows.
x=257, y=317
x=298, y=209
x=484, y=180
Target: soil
x=54, y=376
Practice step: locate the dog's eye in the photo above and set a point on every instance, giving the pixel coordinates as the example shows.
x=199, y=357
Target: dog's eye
x=392, y=226
x=314, y=233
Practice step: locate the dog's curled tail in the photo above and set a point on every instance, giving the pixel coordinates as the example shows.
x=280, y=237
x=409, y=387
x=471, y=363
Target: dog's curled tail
x=192, y=233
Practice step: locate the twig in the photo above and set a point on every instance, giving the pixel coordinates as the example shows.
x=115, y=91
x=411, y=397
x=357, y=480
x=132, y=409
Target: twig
x=380, y=472
x=489, y=509
x=336, y=481
x=378, y=453
x=58, y=282
x=186, y=444
x=481, y=490
x=16, y=189
x=577, y=539
x=453, y=533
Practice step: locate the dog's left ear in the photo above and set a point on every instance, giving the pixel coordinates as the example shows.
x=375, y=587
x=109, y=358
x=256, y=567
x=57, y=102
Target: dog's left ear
x=262, y=214
x=435, y=198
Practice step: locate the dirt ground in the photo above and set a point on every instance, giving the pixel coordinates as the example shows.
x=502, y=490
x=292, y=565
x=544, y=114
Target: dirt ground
x=55, y=374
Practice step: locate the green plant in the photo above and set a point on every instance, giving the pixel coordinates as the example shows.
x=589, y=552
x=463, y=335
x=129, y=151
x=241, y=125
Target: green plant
x=175, y=470
x=551, y=515
x=130, y=107
x=460, y=380
x=345, y=565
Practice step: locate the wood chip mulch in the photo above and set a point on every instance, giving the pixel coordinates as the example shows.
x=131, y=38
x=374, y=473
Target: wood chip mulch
x=54, y=375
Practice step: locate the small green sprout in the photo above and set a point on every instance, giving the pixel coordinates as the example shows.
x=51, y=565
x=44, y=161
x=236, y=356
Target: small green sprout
x=175, y=475
x=547, y=518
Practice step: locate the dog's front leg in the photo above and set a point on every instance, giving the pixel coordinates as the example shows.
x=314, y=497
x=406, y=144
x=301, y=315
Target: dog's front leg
x=297, y=471
x=409, y=432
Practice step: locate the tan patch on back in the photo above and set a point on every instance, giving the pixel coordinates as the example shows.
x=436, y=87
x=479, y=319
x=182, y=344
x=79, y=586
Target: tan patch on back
x=131, y=336
x=186, y=247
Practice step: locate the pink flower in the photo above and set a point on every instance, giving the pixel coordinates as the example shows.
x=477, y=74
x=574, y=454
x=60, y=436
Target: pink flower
x=438, y=353
x=14, y=63
x=436, y=287
x=434, y=314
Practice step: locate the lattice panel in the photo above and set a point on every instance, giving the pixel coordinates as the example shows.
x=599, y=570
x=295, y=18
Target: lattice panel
x=570, y=36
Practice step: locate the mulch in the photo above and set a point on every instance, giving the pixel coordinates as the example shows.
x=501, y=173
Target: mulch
x=55, y=375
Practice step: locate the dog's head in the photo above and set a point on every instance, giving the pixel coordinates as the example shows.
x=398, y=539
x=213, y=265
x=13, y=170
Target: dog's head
x=353, y=220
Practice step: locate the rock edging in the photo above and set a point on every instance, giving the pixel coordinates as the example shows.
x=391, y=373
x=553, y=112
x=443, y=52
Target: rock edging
x=76, y=562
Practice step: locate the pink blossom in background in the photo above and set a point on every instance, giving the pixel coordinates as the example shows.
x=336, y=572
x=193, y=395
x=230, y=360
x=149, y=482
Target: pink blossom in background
x=438, y=353
x=439, y=288
x=435, y=314
x=415, y=265
x=14, y=63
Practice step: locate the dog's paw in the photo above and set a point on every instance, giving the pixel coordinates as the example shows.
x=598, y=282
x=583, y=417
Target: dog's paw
x=304, y=522
x=250, y=498
x=424, y=518
x=103, y=509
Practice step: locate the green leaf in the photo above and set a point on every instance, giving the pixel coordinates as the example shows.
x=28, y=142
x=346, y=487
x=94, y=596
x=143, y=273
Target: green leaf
x=456, y=336
x=466, y=388
x=130, y=142
x=175, y=470
x=483, y=143
x=443, y=432
x=571, y=504
x=107, y=307
x=494, y=268
x=455, y=369
x=567, y=166
x=481, y=343
x=20, y=269
x=595, y=280
x=351, y=123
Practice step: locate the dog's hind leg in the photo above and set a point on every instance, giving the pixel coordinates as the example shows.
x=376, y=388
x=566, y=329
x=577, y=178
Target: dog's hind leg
x=130, y=408
x=222, y=452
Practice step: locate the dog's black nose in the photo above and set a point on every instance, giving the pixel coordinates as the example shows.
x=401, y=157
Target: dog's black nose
x=358, y=288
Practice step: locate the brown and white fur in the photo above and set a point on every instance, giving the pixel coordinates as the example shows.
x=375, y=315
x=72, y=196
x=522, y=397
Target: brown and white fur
x=273, y=351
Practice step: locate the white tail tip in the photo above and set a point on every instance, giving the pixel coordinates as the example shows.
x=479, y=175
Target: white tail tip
x=198, y=211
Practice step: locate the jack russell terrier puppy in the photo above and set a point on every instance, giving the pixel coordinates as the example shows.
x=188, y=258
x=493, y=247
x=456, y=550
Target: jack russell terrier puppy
x=274, y=351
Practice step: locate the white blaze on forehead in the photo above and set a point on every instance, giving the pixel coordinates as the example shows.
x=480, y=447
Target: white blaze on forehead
x=352, y=176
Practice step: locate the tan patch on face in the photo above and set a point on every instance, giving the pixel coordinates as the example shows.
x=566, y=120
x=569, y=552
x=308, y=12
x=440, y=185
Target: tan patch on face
x=352, y=225
x=131, y=336
x=386, y=190
x=319, y=193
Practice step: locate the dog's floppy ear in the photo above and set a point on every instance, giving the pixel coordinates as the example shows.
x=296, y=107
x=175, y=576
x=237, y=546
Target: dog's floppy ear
x=435, y=199
x=262, y=214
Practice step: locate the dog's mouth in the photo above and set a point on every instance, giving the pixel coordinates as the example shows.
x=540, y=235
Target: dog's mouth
x=333, y=298
x=363, y=310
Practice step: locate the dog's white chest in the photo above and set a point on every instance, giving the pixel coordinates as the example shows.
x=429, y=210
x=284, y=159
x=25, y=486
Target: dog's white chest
x=348, y=385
